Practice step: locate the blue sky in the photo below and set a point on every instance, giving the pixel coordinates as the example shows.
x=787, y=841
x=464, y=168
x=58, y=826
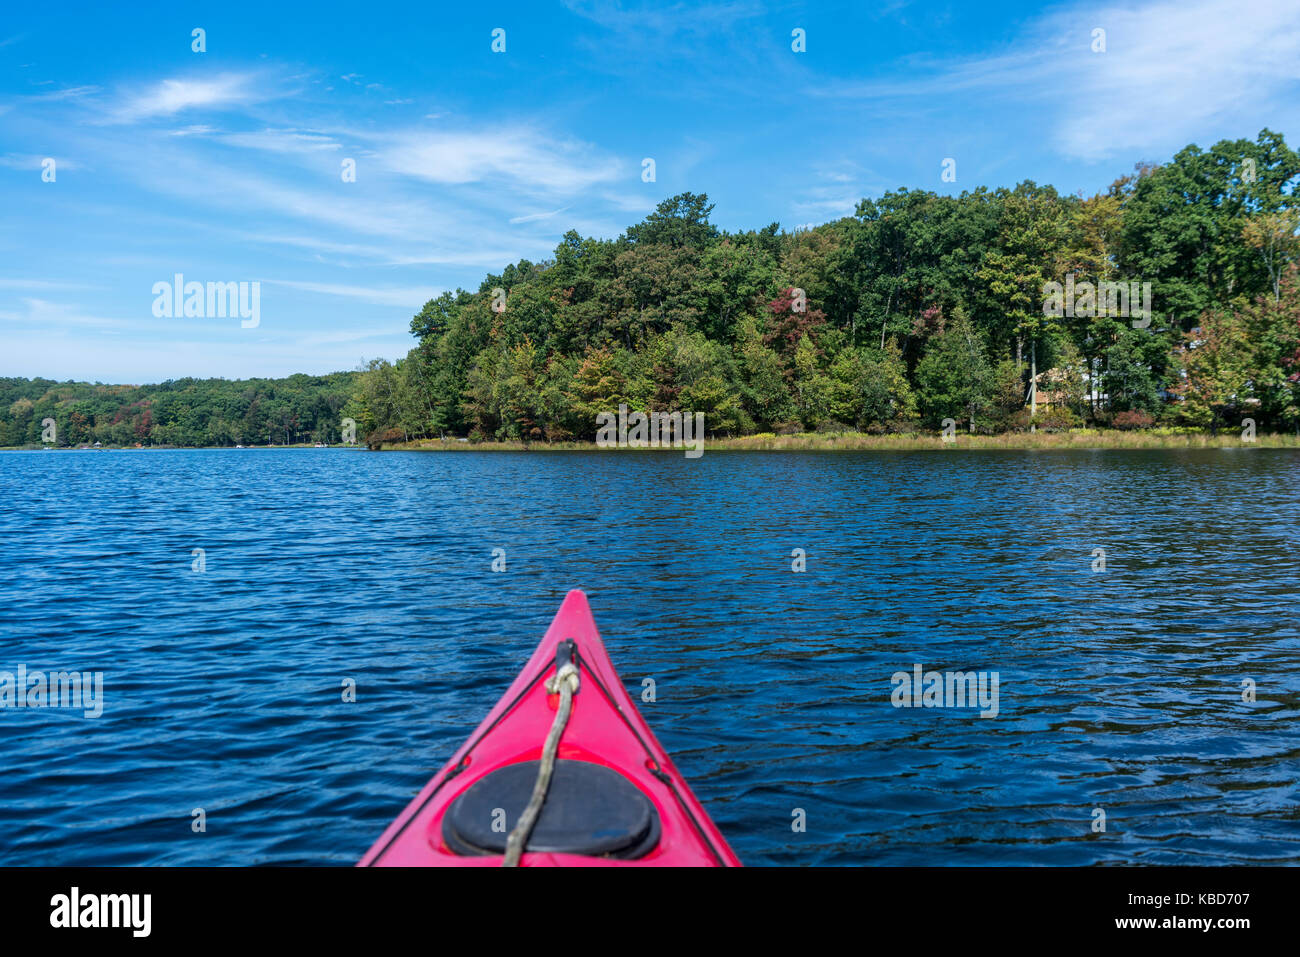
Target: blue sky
x=225, y=166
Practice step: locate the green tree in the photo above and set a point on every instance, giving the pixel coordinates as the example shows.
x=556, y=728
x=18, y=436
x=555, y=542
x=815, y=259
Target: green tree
x=953, y=378
x=681, y=221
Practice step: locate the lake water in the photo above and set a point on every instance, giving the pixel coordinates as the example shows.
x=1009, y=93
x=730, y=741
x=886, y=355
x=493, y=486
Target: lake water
x=1119, y=689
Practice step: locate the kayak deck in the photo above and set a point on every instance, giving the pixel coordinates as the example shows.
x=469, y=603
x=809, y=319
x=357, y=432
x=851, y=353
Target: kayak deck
x=604, y=730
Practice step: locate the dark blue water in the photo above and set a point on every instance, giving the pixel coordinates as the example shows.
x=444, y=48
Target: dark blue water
x=1119, y=690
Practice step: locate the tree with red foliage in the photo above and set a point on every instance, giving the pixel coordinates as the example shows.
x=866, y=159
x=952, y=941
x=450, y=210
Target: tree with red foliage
x=791, y=321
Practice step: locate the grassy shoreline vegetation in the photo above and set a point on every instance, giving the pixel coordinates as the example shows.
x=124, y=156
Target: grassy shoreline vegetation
x=1082, y=439
x=1165, y=306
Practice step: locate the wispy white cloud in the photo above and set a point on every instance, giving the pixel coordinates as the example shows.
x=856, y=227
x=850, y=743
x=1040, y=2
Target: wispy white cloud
x=172, y=96
x=51, y=96
x=1169, y=71
x=534, y=217
x=527, y=158
x=412, y=297
x=196, y=129
x=45, y=314
x=67, y=93
x=283, y=141
x=825, y=203
x=378, y=221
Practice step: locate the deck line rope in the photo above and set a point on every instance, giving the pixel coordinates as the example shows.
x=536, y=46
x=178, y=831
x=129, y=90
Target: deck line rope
x=565, y=682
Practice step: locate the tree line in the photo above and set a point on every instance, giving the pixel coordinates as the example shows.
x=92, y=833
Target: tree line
x=181, y=412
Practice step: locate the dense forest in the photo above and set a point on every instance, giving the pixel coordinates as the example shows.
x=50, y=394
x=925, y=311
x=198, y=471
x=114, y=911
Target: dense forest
x=917, y=308
x=184, y=412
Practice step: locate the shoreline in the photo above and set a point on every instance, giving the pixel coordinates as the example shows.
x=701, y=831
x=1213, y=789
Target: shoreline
x=172, y=448
x=1083, y=439
x=1079, y=439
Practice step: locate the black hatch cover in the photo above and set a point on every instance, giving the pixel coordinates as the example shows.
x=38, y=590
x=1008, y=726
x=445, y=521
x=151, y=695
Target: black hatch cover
x=590, y=809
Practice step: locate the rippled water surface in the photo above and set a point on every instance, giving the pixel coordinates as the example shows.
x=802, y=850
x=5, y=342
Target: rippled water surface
x=1119, y=689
